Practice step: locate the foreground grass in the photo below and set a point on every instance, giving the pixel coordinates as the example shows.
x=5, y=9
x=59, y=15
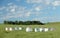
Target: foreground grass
x=23, y=34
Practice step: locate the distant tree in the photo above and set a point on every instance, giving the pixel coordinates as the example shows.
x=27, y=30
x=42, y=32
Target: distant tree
x=24, y=23
x=20, y=22
x=16, y=22
x=5, y=22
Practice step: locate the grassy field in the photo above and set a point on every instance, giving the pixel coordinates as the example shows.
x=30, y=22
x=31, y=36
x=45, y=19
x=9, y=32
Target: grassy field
x=23, y=34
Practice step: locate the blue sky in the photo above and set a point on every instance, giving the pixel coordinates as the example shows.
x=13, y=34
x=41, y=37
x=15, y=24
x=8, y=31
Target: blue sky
x=24, y=10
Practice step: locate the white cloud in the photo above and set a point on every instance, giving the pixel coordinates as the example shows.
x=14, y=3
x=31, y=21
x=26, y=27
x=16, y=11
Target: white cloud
x=27, y=14
x=38, y=8
x=14, y=11
x=56, y=3
x=2, y=8
x=34, y=1
x=8, y=16
x=10, y=3
x=46, y=2
x=11, y=8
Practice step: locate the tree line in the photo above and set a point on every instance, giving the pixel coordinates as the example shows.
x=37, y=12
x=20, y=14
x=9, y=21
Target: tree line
x=24, y=22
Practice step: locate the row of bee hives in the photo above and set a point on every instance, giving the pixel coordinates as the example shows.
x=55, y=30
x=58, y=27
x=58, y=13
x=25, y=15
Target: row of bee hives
x=29, y=29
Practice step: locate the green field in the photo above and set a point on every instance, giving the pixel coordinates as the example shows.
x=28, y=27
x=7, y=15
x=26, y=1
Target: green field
x=23, y=34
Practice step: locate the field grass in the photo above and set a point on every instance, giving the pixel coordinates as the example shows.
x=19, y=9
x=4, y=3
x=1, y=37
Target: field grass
x=23, y=34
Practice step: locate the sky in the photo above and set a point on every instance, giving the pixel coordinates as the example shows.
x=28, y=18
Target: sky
x=30, y=10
